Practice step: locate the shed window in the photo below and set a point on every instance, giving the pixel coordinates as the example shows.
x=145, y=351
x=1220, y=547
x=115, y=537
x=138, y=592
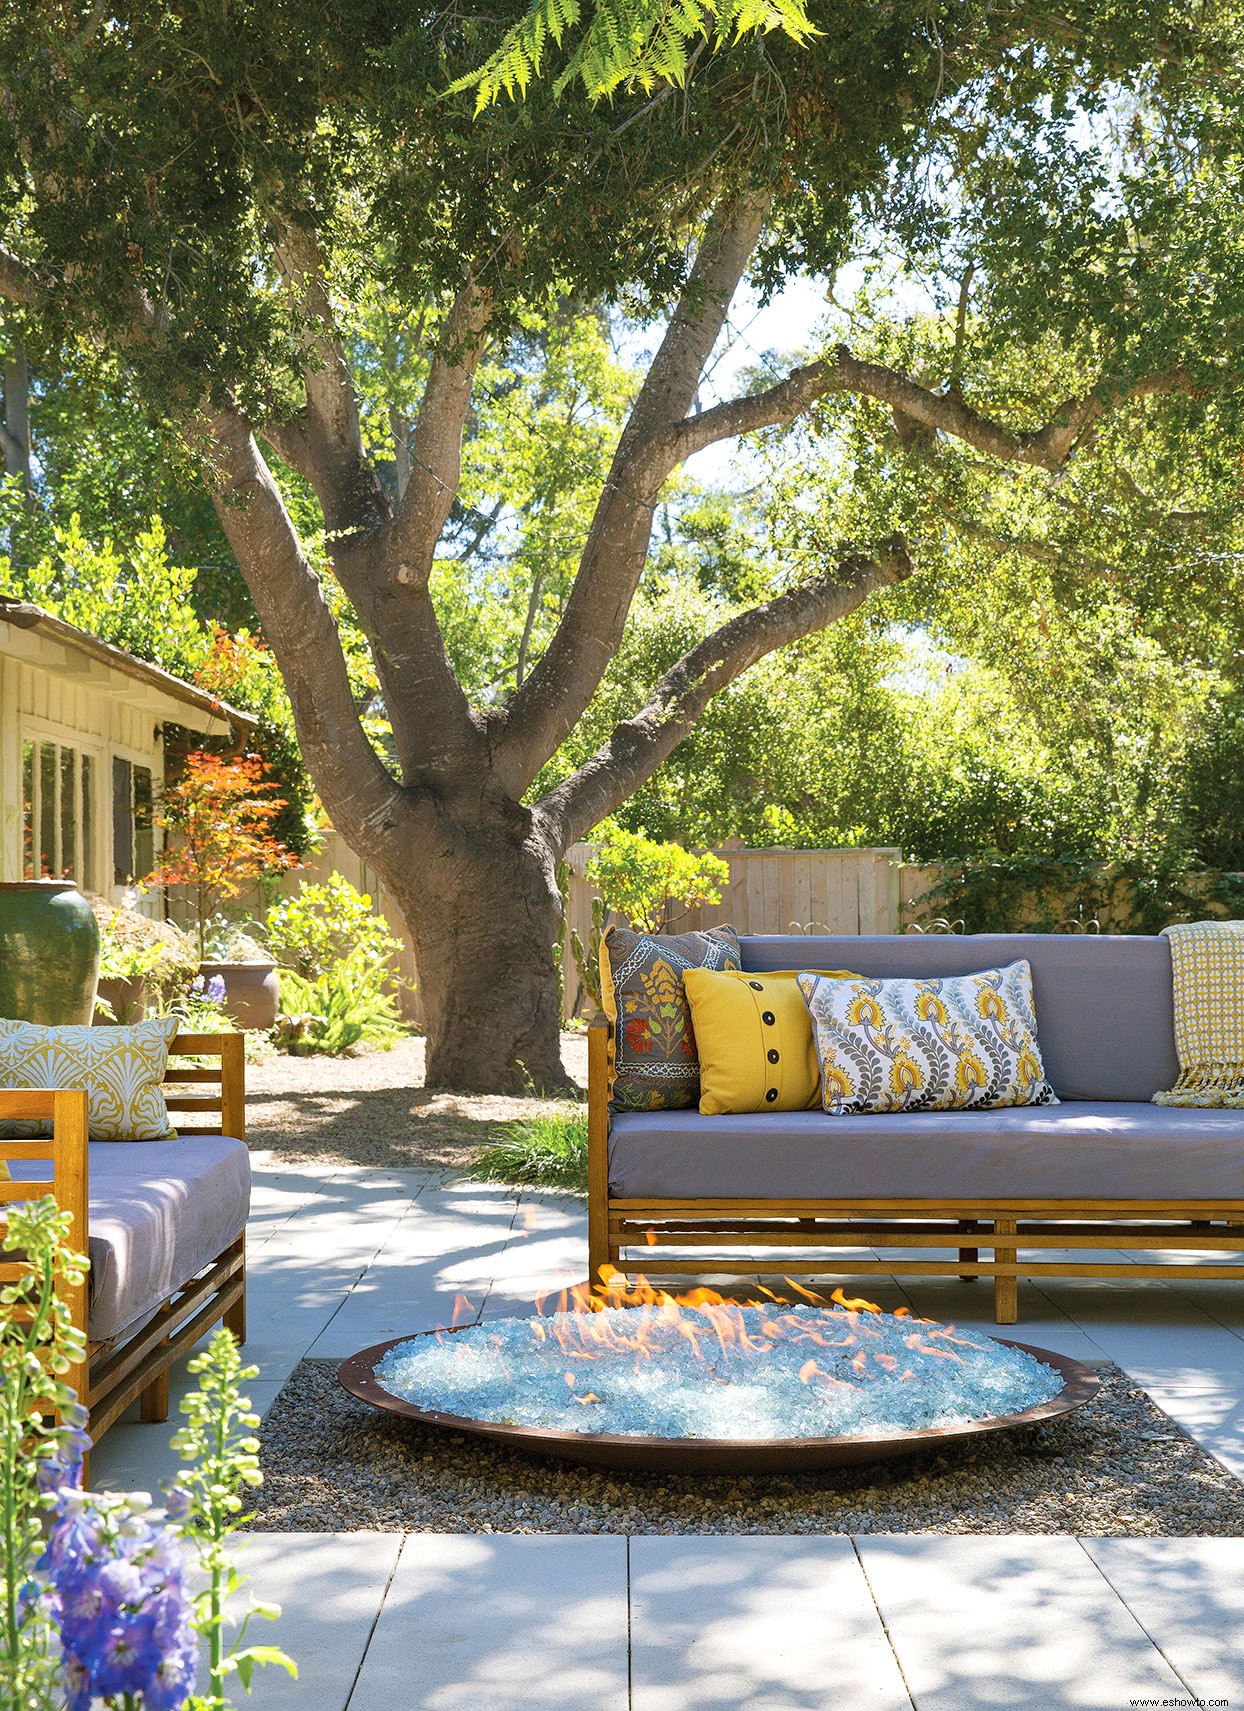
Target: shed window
x=58, y=813
x=133, y=836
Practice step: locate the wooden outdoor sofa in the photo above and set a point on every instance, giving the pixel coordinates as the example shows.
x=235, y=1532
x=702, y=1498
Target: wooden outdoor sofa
x=1104, y=1174
x=164, y=1223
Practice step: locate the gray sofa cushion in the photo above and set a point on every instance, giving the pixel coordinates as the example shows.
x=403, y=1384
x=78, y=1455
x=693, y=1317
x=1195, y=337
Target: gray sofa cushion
x=1105, y=1012
x=160, y=1211
x=1095, y=1150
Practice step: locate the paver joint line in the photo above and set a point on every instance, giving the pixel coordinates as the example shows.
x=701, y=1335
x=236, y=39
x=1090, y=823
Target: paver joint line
x=375, y=1622
x=885, y=1626
x=1149, y=1635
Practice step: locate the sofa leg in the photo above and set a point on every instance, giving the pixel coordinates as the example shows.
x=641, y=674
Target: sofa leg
x=234, y=1318
x=153, y=1401
x=1005, y=1289
x=969, y=1227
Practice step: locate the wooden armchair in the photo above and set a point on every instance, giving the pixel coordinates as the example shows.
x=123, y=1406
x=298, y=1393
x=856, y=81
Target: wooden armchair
x=135, y=1363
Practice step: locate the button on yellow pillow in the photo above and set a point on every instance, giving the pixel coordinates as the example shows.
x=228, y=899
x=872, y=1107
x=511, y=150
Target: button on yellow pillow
x=122, y=1070
x=753, y=1035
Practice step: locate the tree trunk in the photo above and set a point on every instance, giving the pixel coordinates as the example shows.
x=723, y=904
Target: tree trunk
x=483, y=917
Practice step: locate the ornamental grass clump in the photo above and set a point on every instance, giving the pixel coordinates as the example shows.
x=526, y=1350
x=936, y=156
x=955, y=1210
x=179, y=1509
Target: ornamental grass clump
x=548, y=1150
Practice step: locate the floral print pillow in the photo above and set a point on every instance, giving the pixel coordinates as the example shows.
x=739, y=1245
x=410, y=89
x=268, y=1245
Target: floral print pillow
x=965, y=1042
x=652, y=1061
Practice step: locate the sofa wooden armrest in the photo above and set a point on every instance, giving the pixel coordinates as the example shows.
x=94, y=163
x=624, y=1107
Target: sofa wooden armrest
x=137, y=1365
x=598, y=1248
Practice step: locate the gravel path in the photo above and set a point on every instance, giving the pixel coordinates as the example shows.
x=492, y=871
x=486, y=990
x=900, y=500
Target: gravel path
x=1118, y=1466
x=374, y=1109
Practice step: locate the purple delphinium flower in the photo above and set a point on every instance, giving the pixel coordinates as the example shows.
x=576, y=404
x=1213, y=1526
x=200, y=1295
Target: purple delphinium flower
x=119, y=1583
x=215, y=991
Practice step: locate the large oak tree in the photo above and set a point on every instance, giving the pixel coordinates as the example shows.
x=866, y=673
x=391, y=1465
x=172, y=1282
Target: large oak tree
x=203, y=189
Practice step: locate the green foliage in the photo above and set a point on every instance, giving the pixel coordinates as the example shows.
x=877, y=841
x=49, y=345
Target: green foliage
x=318, y=926
x=344, y=1006
x=38, y=1346
x=587, y=957
x=651, y=884
x=133, y=945
x=545, y=1151
x=1070, y=893
x=625, y=42
x=221, y=1452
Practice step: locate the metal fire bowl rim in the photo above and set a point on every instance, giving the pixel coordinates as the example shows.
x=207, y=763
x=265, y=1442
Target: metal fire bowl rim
x=357, y=1376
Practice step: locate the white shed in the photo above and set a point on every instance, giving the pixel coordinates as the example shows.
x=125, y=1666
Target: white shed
x=82, y=734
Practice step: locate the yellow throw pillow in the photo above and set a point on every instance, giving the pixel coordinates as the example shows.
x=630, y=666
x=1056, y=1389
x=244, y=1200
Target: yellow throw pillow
x=122, y=1070
x=754, y=1038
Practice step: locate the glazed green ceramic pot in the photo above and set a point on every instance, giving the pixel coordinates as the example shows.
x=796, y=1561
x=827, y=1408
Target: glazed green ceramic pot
x=49, y=953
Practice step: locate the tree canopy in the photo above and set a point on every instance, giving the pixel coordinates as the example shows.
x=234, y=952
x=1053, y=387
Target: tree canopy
x=305, y=246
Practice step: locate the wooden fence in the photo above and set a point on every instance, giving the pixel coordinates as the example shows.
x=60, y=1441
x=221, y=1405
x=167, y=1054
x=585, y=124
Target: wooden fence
x=769, y=891
x=772, y=891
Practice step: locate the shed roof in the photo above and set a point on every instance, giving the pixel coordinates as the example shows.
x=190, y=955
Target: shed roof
x=28, y=632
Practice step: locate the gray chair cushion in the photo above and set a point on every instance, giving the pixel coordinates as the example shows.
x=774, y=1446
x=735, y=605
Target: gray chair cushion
x=1105, y=1011
x=160, y=1211
x=1093, y=1150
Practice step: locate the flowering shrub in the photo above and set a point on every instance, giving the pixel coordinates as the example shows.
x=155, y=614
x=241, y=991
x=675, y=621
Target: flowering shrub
x=117, y=1583
x=38, y=1347
x=220, y=814
x=98, y=1571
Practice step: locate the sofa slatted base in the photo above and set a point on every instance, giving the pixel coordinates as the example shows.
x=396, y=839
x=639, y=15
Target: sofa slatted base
x=645, y=1239
x=139, y=1368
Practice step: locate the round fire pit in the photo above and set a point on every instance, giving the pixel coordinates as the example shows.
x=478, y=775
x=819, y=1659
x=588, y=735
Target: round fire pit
x=711, y=1455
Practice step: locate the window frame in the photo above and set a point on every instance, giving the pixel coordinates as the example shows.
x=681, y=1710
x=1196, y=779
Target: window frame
x=88, y=862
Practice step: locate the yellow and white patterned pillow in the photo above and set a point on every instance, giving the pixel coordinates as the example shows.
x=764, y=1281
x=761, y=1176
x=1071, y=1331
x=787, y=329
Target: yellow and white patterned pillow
x=967, y=1041
x=122, y=1070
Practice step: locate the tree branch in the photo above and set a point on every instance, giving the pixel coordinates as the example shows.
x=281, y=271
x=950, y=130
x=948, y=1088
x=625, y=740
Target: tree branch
x=638, y=746
x=547, y=706
x=19, y=282
x=775, y=407
x=331, y=449
x=436, y=444
x=433, y=730
x=1048, y=447
x=358, y=792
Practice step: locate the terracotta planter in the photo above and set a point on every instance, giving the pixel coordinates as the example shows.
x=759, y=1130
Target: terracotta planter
x=252, y=991
x=128, y=995
x=49, y=953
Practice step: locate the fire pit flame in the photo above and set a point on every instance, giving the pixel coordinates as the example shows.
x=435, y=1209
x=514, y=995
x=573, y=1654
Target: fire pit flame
x=715, y=1326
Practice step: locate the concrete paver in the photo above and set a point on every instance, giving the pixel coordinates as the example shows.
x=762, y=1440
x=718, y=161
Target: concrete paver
x=507, y=1623
x=1010, y=1624
x=756, y=1624
x=330, y=1587
x=1188, y=1595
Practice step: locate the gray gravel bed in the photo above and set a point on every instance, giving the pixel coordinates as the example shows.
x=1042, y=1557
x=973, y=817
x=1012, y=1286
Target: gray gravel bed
x=1118, y=1466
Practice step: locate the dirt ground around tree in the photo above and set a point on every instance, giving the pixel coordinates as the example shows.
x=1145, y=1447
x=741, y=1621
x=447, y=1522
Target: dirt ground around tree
x=375, y=1110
